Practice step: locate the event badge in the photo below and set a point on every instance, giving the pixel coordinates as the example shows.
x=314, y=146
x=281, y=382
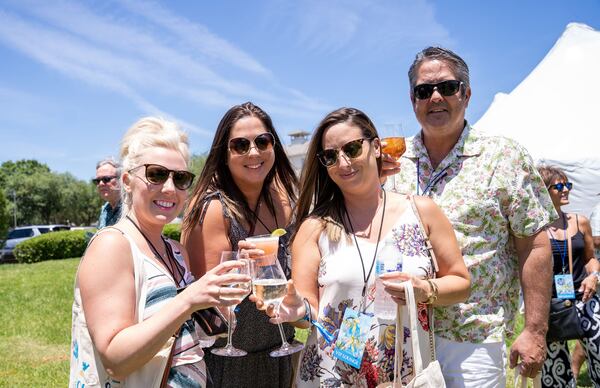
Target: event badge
x=564, y=286
x=352, y=337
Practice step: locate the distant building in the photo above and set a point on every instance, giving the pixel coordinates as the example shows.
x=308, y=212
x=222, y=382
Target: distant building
x=297, y=149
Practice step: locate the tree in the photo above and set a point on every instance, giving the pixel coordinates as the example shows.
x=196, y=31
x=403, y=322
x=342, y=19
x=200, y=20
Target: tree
x=197, y=164
x=4, y=216
x=80, y=203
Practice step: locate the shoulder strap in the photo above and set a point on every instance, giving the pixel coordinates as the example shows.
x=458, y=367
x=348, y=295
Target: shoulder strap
x=424, y=234
x=570, y=253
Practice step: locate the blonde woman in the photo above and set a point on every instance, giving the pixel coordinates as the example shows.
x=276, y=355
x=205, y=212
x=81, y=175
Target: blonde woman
x=134, y=290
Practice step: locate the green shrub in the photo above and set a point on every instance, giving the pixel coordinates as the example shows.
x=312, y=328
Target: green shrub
x=172, y=231
x=52, y=246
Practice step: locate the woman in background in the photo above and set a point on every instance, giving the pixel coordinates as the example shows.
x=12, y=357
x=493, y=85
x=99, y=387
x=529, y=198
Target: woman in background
x=556, y=371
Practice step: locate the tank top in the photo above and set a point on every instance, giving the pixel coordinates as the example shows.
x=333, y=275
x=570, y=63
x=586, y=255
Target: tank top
x=340, y=286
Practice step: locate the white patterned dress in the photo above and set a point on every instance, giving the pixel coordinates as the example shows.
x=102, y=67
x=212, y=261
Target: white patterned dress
x=340, y=285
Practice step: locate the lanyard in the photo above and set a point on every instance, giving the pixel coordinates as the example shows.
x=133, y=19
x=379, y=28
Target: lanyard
x=563, y=251
x=362, y=263
x=159, y=256
x=438, y=177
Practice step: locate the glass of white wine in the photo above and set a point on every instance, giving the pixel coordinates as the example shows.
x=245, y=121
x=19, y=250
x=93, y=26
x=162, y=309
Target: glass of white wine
x=270, y=285
x=229, y=350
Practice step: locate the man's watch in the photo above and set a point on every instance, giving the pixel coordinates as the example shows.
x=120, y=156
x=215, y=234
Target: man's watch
x=596, y=274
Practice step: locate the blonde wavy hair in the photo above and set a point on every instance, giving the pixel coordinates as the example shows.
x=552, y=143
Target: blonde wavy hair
x=149, y=132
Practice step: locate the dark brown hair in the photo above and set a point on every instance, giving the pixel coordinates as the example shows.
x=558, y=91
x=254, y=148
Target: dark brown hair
x=317, y=190
x=551, y=173
x=216, y=176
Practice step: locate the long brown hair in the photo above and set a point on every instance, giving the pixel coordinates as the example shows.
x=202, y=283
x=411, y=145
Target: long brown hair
x=317, y=190
x=216, y=176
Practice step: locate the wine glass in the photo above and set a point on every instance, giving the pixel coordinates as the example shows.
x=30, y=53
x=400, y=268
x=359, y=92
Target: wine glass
x=270, y=285
x=395, y=146
x=229, y=350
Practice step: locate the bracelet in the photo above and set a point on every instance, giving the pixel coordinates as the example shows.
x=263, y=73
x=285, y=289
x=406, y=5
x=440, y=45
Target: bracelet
x=308, y=313
x=434, y=292
x=596, y=274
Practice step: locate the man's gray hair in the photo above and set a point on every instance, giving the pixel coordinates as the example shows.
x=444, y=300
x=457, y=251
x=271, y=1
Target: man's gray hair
x=456, y=63
x=112, y=161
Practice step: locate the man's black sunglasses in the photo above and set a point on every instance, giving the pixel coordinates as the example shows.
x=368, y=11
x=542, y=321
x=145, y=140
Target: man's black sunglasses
x=352, y=149
x=104, y=179
x=158, y=175
x=445, y=88
x=561, y=186
x=262, y=142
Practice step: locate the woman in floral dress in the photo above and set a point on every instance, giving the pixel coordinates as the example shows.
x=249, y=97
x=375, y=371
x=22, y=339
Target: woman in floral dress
x=345, y=218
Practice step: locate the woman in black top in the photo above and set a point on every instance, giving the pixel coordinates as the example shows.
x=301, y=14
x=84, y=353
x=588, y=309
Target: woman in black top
x=557, y=367
x=246, y=188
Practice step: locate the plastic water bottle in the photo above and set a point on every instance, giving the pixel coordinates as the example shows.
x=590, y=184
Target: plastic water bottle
x=388, y=260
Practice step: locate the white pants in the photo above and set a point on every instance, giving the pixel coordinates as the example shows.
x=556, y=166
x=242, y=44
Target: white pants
x=469, y=365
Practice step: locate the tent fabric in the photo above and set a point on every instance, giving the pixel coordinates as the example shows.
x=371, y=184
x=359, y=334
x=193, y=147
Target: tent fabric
x=553, y=113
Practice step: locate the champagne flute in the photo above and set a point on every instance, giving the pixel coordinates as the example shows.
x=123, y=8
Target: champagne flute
x=395, y=146
x=229, y=350
x=270, y=285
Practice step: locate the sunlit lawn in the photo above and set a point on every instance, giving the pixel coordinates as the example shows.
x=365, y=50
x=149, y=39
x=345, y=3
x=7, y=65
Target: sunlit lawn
x=35, y=325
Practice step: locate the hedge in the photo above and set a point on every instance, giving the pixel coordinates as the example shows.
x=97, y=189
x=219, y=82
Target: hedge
x=66, y=244
x=172, y=231
x=52, y=246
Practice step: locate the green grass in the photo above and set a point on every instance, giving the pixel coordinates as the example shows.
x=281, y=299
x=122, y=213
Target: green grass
x=35, y=325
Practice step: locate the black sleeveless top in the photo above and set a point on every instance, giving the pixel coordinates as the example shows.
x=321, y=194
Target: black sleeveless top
x=577, y=250
x=253, y=332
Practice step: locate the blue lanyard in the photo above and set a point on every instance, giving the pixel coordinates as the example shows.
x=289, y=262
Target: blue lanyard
x=438, y=177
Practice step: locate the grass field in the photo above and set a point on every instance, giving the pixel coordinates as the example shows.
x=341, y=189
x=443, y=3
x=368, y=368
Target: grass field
x=35, y=324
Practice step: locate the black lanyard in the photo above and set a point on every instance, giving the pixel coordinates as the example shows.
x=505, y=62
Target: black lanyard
x=362, y=263
x=255, y=213
x=438, y=177
x=159, y=256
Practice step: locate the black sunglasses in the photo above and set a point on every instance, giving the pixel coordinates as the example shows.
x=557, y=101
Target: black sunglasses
x=104, y=179
x=241, y=145
x=158, y=175
x=561, y=186
x=445, y=88
x=352, y=149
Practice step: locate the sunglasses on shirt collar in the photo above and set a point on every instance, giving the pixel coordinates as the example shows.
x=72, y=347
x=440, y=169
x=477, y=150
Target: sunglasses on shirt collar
x=352, y=149
x=158, y=175
x=104, y=179
x=445, y=88
x=561, y=186
x=241, y=145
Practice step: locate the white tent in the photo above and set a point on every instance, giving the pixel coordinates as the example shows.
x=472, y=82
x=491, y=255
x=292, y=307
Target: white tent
x=555, y=113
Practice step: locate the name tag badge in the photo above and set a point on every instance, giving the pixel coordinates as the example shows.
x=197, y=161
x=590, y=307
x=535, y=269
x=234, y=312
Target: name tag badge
x=352, y=337
x=564, y=286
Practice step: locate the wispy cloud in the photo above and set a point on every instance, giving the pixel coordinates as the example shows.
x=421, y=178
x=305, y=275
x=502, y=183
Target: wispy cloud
x=139, y=61
x=349, y=27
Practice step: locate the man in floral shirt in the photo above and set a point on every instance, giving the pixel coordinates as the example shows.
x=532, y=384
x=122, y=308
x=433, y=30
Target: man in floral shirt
x=497, y=203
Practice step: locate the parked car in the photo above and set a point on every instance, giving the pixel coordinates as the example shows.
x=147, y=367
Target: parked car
x=23, y=233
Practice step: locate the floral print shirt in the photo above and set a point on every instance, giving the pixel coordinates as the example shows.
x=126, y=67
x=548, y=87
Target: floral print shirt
x=490, y=190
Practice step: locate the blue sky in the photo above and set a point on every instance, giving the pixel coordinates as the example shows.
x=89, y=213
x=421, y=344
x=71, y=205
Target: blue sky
x=75, y=75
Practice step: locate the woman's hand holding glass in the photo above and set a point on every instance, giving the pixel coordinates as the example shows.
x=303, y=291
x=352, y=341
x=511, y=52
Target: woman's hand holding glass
x=394, y=285
x=213, y=289
x=291, y=308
